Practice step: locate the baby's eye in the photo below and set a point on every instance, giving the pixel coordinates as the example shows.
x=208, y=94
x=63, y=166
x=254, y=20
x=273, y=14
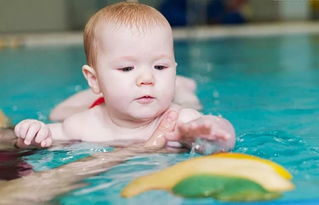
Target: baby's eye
x=126, y=69
x=159, y=67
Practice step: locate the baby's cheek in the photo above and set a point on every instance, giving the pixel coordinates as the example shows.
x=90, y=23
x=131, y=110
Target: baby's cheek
x=166, y=94
x=116, y=100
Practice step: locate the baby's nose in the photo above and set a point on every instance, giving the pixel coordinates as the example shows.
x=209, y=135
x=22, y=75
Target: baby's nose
x=145, y=78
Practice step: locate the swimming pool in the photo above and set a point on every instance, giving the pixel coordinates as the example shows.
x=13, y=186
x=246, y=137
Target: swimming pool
x=266, y=86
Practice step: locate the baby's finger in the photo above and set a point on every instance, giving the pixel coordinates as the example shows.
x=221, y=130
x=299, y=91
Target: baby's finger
x=47, y=142
x=183, y=128
x=222, y=136
x=32, y=131
x=206, y=128
x=215, y=135
x=23, y=129
x=42, y=134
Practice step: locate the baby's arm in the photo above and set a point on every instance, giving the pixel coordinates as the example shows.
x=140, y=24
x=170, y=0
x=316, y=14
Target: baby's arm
x=185, y=95
x=34, y=132
x=192, y=125
x=74, y=104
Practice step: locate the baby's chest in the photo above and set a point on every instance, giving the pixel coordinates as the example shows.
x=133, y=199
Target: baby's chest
x=96, y=130
x=96, y=133
x=107, y=134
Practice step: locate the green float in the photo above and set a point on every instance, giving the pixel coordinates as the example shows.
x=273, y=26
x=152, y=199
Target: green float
x=223, y=188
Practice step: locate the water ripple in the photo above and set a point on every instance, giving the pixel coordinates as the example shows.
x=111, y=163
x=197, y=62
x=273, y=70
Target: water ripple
x=289, y=150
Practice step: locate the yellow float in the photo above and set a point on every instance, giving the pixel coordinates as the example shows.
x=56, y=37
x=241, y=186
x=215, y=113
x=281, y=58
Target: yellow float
x=223, y=176
x=4, y=121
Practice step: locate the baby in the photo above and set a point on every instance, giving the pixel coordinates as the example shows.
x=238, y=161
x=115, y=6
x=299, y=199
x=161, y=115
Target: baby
x=131, y=64
x=184, y=96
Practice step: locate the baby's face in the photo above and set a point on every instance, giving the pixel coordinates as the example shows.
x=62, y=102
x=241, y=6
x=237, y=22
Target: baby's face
x=136, y=71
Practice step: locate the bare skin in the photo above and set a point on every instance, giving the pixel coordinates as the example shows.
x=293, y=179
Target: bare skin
x=184, y=96
x=40, y=187
x=63, y=179
x=135, y=73
x=7, y=139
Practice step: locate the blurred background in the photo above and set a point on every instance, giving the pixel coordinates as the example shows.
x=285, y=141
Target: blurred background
x=266, y=84
x=18, y=16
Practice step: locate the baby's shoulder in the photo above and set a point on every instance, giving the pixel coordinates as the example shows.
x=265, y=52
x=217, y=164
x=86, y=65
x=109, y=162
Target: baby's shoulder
x=82, y=123
x=86, y=116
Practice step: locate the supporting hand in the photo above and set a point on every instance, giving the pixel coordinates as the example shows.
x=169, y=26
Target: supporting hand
x=166, y=127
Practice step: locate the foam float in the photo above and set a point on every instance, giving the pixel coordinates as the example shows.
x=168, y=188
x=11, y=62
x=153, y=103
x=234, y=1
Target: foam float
x=4, y=120
x=223, y=176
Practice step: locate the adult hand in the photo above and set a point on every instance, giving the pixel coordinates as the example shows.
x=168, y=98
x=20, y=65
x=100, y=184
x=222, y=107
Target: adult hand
x=166, y=127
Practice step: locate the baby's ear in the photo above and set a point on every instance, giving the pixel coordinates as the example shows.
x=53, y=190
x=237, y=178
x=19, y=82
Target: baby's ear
x=90, y=75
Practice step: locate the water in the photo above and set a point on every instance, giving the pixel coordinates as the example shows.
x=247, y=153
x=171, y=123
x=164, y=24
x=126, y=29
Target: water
x=266, y=86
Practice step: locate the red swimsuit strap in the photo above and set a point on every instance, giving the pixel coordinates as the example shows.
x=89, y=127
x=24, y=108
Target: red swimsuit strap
x=98, y=101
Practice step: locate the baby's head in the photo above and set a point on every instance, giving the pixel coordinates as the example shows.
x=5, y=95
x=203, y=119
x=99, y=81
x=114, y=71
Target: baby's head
x=130, y=57
x=125, y=14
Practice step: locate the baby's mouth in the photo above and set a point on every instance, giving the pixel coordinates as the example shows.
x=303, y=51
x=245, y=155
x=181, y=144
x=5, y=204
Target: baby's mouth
x=146, y=99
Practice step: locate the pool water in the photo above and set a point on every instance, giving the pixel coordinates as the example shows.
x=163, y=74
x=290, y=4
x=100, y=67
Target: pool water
x=268, y=87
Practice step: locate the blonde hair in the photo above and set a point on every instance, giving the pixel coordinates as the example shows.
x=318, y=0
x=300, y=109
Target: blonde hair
x=132, y=14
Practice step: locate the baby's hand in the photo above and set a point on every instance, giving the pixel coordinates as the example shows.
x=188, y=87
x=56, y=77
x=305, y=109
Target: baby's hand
x=33, y=132
x=210, y=128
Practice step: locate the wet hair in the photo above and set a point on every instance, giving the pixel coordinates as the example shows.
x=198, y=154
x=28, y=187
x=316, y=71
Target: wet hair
x=130, y=14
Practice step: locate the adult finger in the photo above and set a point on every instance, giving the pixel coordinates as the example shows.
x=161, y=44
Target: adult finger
x=20, y=143
x=167, y=125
